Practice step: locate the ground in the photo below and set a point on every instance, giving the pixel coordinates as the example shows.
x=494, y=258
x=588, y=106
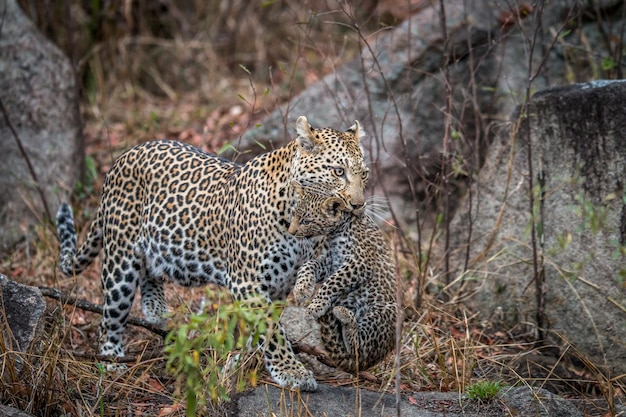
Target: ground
x=133, y=97
x=441, y=349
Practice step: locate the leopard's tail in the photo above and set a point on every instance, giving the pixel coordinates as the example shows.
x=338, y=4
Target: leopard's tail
x=72, y=262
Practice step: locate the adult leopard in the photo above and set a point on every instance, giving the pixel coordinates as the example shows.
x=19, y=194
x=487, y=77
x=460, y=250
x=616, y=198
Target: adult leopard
x=356, y=302
x=169, y=210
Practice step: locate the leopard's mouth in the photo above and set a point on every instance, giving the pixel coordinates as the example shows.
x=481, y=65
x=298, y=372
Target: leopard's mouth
x=358, y=209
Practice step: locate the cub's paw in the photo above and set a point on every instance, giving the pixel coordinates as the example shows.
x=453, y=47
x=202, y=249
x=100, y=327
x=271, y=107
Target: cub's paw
x=344, y=315
x=318, y=307
x=304, y=289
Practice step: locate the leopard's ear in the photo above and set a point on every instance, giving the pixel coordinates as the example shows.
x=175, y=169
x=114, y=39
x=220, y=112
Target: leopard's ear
x=307, y=139
x=357, y=130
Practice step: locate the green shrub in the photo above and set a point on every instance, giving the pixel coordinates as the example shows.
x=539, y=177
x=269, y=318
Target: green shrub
x=199, y=352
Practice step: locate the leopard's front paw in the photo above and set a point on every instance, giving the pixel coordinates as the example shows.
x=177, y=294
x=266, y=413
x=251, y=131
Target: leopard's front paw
x=294, y=377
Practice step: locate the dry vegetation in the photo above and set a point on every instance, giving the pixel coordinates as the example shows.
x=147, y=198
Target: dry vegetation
x=203, y=72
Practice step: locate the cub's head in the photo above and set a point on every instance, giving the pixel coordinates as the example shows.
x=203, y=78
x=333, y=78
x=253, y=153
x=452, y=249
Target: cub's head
x=316, y=214
x=332, y=161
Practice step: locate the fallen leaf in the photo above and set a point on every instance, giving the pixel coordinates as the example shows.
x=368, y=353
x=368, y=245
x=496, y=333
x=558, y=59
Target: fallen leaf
x=170, y=409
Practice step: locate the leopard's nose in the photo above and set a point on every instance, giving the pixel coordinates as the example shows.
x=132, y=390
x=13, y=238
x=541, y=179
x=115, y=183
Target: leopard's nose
x=358, y=209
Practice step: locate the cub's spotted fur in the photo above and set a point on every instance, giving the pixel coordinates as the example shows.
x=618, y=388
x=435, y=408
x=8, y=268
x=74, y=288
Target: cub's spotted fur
x=356, y=302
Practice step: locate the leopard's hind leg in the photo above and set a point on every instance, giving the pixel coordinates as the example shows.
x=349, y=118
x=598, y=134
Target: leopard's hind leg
x=153, y=303
x=121, y=271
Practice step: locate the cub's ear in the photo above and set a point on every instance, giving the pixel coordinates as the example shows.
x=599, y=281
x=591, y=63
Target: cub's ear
x=357, y=130
x=333, y=206
x=294, y=225
x=297, y=186
x=307, y=139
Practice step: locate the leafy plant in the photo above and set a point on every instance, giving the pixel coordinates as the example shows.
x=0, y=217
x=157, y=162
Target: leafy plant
x=199, y=352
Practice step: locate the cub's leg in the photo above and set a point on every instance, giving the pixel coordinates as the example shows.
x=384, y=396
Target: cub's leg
x=349, y=329
x=358, y=337
x=343, y=281
x=308, y=275
x=332, y=340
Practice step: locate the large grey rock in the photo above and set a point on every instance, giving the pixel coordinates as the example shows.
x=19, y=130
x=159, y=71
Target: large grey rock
x=537, y=402
x=397, y=88
x=21, y=308
x=7, y=411
x=344, y=401
x=576, y=137
x=38, y=92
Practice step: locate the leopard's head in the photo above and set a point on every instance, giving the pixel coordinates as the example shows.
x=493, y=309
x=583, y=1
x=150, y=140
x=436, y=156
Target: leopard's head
x=332, y=162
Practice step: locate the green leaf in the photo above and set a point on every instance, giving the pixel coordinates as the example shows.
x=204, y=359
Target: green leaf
x=225, y=147
x=608, y=63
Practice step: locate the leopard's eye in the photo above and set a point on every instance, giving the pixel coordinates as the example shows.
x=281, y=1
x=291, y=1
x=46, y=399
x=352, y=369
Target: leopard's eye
x=365, y=175
x=339, y=171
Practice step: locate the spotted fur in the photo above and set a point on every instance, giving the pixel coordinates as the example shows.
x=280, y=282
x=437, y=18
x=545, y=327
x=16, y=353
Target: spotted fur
x=171, y=211
x=356, y=302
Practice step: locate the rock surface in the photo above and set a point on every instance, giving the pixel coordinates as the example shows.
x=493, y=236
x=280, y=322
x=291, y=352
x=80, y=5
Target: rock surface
x=22, y=308
x=7, y=411
x=577, y=137
x=40, y=99
x=343, y=401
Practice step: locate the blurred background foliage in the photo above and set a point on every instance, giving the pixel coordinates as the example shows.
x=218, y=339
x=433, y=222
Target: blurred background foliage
x=169, y=48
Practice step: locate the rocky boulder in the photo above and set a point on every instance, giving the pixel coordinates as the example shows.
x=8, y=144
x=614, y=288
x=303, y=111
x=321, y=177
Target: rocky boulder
x=41, y=154
x=347, y=401
x=399, y=86
x=21, y=308
x=555, y=176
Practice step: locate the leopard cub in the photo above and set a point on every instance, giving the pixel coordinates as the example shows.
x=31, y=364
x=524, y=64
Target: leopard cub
x=356, y=302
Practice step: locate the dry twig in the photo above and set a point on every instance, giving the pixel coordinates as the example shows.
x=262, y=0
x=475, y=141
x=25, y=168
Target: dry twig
x=94, y=308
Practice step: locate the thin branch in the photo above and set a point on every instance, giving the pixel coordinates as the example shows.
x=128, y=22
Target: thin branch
x=322, y=357
x=94, y=308
x=155, y=354
x=31, y=169
x=445, y=160
x=537, y=247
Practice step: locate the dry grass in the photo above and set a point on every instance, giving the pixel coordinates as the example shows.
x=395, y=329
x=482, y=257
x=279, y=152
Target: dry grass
x=148, y=73
x=443, y=349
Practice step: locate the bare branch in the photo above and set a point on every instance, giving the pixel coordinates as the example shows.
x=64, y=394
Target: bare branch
x=94, y=308
x=31, y=169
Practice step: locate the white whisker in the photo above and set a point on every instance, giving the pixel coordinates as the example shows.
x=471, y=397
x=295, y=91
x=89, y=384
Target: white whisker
x=377, y=209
